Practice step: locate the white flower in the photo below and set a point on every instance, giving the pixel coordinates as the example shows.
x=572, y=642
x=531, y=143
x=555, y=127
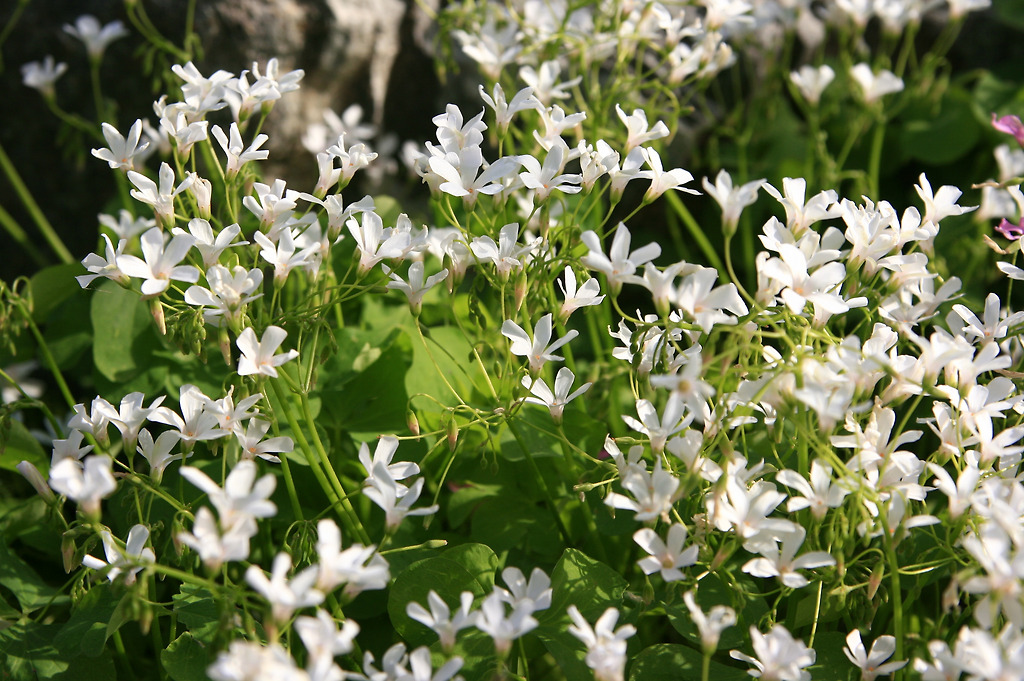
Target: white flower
x=285, y=595
x=668, y=556
x=606, y=645
x=812, y=81
x=160, y=197
x=214, y=546
x=128, y=561
x=875, y=86
x=870, y=663
x=711, y=625
x=121, y=152
x=440, y=618
x=780, y=657
x=416, y=286
x=554, y=401
x=539, y=350
x=95, y=36
x=258, y=355
x=235, y=150
x=42, y=75
x=86, y=483
x=243, y=496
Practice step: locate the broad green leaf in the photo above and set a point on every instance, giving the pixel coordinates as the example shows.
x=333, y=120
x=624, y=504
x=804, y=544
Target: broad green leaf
x=675, y=662
x=27, y=653
x=579, y=580
x=535, y=431
x=469, y=567
x=373, y=401
x=464, y=501
x=444, y=359
x=944, y=136
x=186, y=659
x=28, y=587
x=123, y=332
x=51, y=286
x=17, y=445
x=196, y=608
x=86, y=632
x=507, y=522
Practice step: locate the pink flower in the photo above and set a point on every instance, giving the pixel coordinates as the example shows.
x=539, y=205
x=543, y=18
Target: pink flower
x=1011, y=125
x=1011, y=230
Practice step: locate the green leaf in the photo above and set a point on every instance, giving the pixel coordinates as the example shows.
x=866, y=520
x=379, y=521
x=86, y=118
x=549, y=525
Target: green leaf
x=941, y=137
x=86, y=632
x=446, y=359
x=185, y=659
x=51, y=286
x=28, y=587
x=122, y=327
x=373, y=401
x=1010, y=12
x=588, y=584
x=507, y=522
x=537, y=432
x=469, y=567
x=675, y=662
x=465, y=500
x=17, y=445
x=196, y=608
x=28, y=654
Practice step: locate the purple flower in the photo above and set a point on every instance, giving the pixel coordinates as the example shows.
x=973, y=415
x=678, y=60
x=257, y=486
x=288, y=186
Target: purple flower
x=1011, y=125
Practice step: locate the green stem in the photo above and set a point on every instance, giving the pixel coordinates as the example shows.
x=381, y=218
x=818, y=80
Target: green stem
x=33, y=208
x=695, y=231
x=44, y=350
x=18, y=234
x=875, y=160
x=335, y=480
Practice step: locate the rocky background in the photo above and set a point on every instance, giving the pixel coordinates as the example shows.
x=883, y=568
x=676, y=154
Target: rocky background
x=376, y=53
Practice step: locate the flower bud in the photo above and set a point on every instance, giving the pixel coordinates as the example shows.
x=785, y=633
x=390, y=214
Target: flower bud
x=68, y=550
x=158, y=315
x=453, y=434
x=413, y=422
x=202, y=190
x=520, y=289
x=876, y=579
x=35, y=478
x=224, y=341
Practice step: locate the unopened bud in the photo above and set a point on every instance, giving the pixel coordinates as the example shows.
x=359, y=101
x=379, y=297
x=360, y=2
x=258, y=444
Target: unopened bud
x=157, y=308
x=67, y=551
x=453, y=434
x=202, y=190
x=35, y=478
x=876, y=579
x=224, y=341
x=520, y=290
x=412, y=422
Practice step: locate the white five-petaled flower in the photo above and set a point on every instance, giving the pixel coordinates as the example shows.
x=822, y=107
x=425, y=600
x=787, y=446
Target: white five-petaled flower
x=555, y=401
x=243, y=496
x=161, y=262
x=639, y=133
x=94, y=35
x=416, y=286
x=120, y=152
x=875, y=86
x=540, y=350
x=42, y=75
x=285, y=595
x=812, y=81
x=128, y=561
x=606, y=645
x=234, y=148
x=872, y=664
x=160, y=197
x=507, y=253
x=780, y=657
x=620, y=264
x=780, y=561
x=710, y=626
x=440, y=619
x=731, y=199
x=258, y=355
x=86, y=483
x=667, y=556
x=577, y=296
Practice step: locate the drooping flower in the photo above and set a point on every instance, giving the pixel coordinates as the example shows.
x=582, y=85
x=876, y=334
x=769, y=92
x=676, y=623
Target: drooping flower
x=258, y=355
